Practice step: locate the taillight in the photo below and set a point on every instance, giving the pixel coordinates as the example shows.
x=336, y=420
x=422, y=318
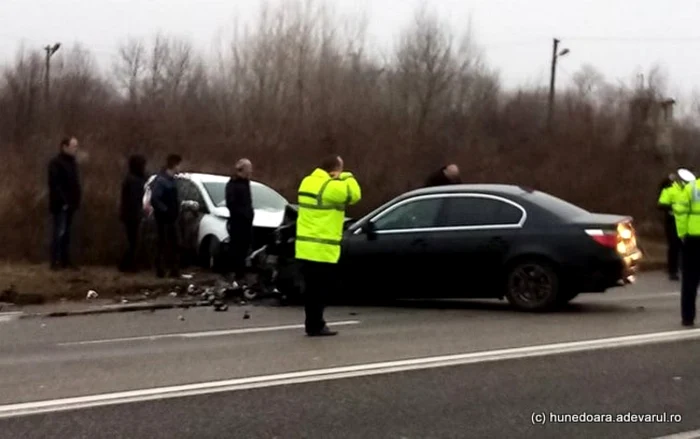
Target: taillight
x=606, y=238
x=622, y=239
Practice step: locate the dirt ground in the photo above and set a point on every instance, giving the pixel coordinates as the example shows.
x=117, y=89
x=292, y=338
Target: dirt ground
x=36, y=284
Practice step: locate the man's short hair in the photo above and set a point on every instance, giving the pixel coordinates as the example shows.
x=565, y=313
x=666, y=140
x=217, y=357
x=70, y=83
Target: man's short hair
x=65, y=142
x=331, y=163
x=173, y=161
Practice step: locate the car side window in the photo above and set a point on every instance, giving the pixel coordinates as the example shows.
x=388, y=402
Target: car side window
x=416, y=214
x=477, y=211
x=188, y=191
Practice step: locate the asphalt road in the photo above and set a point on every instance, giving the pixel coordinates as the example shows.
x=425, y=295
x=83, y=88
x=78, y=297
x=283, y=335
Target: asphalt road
x=46, y=360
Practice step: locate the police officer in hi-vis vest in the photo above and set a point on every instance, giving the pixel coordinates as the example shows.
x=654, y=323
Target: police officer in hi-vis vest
x=687, y=213
x=671, y=191
x=323, y=197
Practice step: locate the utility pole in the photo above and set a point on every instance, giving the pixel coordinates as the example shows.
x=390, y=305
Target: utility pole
x=50, y=50
x=555, y=56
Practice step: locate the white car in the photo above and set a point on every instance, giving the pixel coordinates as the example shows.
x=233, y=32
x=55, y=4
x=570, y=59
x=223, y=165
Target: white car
x=204, y=195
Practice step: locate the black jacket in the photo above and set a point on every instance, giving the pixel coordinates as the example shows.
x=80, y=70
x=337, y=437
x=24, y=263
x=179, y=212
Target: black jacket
x=239, y=203
x=131, y=210
x=164, y=198
x=438, y=178
x=64, y=184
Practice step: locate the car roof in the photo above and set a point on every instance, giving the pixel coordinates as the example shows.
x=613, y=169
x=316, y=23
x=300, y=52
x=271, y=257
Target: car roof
x=210, y=178
x=495, y=189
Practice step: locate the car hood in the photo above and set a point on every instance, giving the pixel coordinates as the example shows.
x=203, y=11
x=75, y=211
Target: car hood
x=263, y=217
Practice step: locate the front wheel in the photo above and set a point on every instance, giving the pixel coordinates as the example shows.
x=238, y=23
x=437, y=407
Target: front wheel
x=533, y=286
x=210, y=254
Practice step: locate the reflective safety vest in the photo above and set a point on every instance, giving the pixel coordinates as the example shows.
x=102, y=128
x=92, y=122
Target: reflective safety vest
x=322, y=202
x=673, y=197
x=687, y=210
x=669, y=194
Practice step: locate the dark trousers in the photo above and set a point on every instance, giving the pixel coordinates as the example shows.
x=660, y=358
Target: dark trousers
x=240, y=240
x=673, y=247
x=167, y=256
x=691, y=277
x=319, y=280
x=128, y=262
x=60, y=240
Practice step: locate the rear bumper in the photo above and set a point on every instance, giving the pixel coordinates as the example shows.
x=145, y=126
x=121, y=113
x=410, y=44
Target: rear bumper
x=611, y=272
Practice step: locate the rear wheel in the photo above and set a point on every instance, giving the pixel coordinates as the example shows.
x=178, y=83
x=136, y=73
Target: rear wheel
x=533, y=285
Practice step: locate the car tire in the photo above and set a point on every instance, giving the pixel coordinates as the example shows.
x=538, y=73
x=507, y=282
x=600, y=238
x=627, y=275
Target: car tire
x=532, y=285
x=209, y=254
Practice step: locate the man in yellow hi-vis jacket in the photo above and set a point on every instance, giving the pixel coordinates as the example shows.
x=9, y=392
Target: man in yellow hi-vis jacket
x=323, y=197
x=671, y=191
x=688, y=224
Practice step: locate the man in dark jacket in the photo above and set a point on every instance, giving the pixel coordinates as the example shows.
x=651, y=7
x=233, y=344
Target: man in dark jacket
x=166, y=209
x=64, y=200
x=131, y=210
x=240, y=223
x=446, y=175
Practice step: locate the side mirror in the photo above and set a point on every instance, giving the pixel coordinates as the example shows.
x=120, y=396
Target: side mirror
x=370, y=229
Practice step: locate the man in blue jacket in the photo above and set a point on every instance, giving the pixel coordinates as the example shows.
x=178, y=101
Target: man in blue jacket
x=166, y=209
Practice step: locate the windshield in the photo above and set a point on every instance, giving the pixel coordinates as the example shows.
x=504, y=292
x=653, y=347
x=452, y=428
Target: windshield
x=264, y=198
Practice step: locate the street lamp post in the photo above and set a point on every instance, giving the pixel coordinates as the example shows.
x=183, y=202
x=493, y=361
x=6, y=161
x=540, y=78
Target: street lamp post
x=555, y=55
x=50, y=50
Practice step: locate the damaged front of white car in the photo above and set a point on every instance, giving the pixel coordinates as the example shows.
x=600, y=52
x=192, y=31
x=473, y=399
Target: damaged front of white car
x=204, y=196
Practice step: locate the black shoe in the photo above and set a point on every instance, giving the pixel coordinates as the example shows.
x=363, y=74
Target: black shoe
x=688, y=323
x=673, y=277
x=325, y=332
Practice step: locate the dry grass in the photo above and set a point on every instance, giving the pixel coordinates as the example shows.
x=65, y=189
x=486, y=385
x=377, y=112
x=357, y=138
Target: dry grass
x=32, y=284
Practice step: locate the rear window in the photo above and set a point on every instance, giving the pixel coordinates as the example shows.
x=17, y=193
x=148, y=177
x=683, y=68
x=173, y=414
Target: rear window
x=562, y=209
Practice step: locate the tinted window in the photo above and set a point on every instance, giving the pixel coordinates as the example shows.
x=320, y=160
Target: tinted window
x=412, y=215
x=557, y=206
x=479, y=211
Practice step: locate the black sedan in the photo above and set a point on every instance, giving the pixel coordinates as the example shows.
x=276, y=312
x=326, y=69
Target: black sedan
x=486, y=241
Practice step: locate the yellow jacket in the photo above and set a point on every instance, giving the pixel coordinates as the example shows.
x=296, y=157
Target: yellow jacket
x=322, y=202
x=686, y=209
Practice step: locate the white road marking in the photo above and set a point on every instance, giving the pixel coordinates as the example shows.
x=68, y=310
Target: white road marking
x=204, y=333
x=82, y=402
x=9, y=316
x=695, y=434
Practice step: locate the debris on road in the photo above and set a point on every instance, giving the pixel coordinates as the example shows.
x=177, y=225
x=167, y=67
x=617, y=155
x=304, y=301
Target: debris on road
x=92, y=294
x=246, y=315
x=220, y=306
x=181, y=317
x=187, y=276
x=173, y=294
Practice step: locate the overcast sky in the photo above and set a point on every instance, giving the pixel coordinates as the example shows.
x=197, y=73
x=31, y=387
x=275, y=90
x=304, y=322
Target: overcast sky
x=619, y=37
